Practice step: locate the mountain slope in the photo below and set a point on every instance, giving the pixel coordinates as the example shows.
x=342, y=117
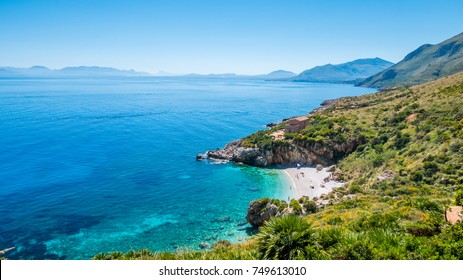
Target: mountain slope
x=345, y=72
x=426, y=63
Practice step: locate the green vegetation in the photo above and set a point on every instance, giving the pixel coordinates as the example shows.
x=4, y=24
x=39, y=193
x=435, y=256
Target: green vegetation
x=406, y=169
x=222, y=250
x=284, y=238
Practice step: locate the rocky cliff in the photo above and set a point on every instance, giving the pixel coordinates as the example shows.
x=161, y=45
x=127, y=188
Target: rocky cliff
x=285, y=152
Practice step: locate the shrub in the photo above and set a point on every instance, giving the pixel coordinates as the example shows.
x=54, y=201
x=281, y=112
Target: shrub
x=285, y=238
x=355, y=189
x=296, y=206
x=401, y=140
x=334, y=221
x=430, y=168
x=378, y=161
x=459, y=198
x=417, y=176
x=310, y=206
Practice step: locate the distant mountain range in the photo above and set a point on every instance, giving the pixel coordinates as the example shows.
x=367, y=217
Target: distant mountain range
x=349, y=72
x=95, y=71
x=426, y=63
x=275, y=75
x=80, y=71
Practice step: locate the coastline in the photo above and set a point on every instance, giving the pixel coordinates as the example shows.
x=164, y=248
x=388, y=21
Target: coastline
x=307, y=181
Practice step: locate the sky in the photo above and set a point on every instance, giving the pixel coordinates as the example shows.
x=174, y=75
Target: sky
x=222, y=36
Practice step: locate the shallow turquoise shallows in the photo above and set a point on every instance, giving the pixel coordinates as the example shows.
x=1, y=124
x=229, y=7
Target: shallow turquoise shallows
x=108, y=164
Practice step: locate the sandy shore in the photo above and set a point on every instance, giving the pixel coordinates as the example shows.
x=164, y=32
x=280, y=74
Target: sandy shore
x=307, y=181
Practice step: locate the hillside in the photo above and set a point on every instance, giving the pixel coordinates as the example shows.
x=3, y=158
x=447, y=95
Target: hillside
x=403, y=169
x=426, y=63
x=345, y=72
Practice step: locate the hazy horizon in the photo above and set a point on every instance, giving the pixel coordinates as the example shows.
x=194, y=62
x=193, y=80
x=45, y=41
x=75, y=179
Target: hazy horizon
x=243, y=37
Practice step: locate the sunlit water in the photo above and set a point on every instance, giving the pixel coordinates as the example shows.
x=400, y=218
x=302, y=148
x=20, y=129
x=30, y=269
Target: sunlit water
x=100, y=165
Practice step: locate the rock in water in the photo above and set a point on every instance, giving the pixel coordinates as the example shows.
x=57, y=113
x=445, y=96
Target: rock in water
x=203, y=245
x=224, y=219
x=240, y=224
x=260, y=211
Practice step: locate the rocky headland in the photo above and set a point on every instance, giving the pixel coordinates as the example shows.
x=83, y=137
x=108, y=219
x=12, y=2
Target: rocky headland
x=267, y=151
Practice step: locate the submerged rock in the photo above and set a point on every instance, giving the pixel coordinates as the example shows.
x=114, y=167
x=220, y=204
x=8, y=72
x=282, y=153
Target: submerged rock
x=224, y=219
x=240, y=224
x=203, y=245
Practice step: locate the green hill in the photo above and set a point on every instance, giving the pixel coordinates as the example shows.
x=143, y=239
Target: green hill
x=406, y=169
x=345, y=72
x=427, y=63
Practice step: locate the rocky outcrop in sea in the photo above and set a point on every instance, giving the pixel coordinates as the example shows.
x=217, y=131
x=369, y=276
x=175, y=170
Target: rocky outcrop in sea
x=287, y=153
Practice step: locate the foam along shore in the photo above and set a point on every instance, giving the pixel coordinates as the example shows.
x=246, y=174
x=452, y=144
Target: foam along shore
x=307, y=181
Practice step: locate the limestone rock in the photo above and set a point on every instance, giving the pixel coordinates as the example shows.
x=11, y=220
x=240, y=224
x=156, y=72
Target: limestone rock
x=386, y=175
x=286, y=153
x=260, y=211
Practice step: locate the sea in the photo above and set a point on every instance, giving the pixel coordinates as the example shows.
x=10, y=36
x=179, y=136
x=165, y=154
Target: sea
x=97, y=165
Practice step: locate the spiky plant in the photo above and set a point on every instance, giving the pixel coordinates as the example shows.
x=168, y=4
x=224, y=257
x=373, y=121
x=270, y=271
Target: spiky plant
x=285, y=238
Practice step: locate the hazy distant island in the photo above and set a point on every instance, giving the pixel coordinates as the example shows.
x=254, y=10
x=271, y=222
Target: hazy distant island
x=278, y=74
x=79, y=71
x=396, y=155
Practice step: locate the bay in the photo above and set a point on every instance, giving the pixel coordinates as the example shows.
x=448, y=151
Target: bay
x=91, y=165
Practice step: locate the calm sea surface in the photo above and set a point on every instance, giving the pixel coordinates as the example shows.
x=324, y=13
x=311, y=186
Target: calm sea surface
x=108, y=164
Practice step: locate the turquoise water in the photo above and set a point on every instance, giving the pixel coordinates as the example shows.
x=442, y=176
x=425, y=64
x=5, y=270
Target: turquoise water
x=100, y=165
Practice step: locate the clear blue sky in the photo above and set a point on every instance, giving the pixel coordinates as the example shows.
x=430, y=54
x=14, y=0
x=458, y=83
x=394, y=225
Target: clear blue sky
x=246, y=37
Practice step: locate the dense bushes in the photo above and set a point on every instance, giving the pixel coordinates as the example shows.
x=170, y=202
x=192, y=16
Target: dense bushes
x=459, y=198
x=285, y=238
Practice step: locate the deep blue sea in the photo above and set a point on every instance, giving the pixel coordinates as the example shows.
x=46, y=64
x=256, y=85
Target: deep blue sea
x=108, y=164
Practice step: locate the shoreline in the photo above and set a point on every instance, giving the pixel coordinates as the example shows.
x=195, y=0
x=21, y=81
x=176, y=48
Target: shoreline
x=307, y=181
